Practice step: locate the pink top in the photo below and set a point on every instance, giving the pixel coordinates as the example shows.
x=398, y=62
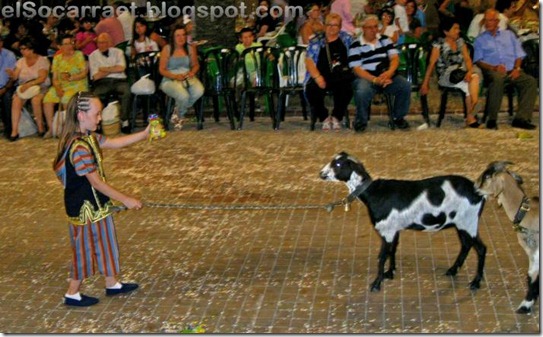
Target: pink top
x=343, y=8
x=89, y=47
x=113, y=27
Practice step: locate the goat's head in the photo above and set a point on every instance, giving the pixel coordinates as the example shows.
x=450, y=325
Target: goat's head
x=346, y=168
x=492, y=180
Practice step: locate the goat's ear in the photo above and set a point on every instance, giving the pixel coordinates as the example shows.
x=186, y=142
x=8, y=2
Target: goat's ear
x=499, y=166
x=516, y=177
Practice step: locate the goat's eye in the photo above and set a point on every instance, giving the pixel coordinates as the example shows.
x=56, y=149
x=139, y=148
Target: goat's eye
x=338, y=164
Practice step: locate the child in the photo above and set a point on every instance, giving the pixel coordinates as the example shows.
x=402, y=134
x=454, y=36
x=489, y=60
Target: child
x=85, y=39
x=78, y=166
x=142, y=43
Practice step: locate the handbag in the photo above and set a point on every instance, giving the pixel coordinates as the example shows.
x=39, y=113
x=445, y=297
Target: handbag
x=143, y=86
x=58, y=123
x=339, y=72
x=457, y=75
x=27, y=127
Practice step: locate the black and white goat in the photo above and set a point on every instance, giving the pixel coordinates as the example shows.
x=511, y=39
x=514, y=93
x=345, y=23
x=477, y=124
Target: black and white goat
x=429, y=205
x=496, y=181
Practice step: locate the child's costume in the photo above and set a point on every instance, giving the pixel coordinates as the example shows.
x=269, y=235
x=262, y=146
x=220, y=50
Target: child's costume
x=92, y=230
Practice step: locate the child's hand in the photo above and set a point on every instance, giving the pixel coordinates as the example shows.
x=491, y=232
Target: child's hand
x=132, y=203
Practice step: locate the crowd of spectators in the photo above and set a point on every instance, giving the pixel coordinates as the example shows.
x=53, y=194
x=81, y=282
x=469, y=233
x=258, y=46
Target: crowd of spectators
x=348, y=54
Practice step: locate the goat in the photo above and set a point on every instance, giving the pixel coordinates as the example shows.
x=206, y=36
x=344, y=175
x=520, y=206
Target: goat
x=498, y=182
x=428, y=205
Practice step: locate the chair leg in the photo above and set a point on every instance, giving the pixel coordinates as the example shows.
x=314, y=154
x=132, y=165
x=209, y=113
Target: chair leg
x=133, y=113
x=510, y=92
x=199, y=109
x=169, y=110
x=281, y=107
x=303, y=103
x=230, y=110
x=242, y=110
x=442, y=107
x=390, y=106
x=272, y=111
x=216, y=104
x=464, y=105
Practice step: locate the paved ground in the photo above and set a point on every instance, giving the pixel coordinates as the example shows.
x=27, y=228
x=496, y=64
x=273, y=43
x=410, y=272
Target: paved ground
x=264, y=271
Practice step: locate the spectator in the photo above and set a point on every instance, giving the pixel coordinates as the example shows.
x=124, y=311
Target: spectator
x=374, y=61
x=112, y=26
x=477, y=25
x=126, y=19
x=312, y=25
x=415, y=27
x=31, y=70
x=499, y=54
x=107, y=68
x=401, y=20
x=450, y=53
x=343, y=9
x=265, y=22
x=142, y=42
x=388, y=27
x=18, y=31
x=7, y=61
x=86, y=37
x=69, y=76
x=179, y=66
x=247, y=40
x=327, y=70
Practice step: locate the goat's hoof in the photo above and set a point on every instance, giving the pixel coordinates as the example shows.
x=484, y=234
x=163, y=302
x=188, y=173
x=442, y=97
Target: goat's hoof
x=389, y=275
x=451, y=272
x=474, y=285
x=523, y=310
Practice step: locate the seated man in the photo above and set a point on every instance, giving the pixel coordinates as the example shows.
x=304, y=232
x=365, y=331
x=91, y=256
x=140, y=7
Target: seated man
x=6, y=85
x=499, y=54
x=374, y=61
x=107, y=65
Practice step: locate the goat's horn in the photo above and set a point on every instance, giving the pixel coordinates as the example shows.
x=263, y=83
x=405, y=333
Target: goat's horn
x=499, y=166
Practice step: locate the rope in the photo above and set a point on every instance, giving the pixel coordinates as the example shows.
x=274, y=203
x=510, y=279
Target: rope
x=329, y=207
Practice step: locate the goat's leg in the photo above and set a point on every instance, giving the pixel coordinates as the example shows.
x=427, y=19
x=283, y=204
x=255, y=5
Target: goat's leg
x=533, y=285
x=385, y=249
x=392, y=257
x=531, y=296
x=466, y=242
x=480, y=248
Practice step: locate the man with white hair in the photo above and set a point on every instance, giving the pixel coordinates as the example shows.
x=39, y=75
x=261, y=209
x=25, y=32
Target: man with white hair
x=374, y=61
x=107, y=66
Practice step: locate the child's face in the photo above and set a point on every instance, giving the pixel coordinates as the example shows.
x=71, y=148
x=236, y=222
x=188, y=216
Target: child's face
x=140, y=29
x=87, y=25
x=90, y=119
x=247, y=39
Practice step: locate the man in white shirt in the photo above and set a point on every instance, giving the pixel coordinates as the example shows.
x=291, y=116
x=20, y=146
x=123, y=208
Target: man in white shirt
x=107, y=68
x=401, y=19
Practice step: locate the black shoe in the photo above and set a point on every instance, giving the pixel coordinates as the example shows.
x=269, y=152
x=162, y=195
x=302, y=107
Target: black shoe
x=401, y=123
x=491, y=124
x=522, y=124
x=13, y=138
x=359, y=128
x=86, y=301
x=126, y=288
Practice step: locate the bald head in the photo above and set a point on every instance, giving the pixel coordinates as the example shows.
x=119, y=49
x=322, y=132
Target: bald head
x=103, y=41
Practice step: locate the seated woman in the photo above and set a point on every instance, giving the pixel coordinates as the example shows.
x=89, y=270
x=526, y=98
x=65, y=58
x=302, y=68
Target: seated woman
x=328, y=69
x=415, y=27
x=388, y=27
x=449, y=53
x=179, y=66
x=313, y=25
x=141, y=42
x=69, y=77
x=31, y=70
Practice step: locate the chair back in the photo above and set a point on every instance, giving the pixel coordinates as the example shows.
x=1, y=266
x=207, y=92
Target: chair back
x=219, y=68
x=146, y=64
x=413, y=63
x=259, y=66
x=530, y=64
x=291, y=67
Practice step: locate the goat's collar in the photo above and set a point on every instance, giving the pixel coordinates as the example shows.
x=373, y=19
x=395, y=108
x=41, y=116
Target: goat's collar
x=357, y=191
x=521, y=212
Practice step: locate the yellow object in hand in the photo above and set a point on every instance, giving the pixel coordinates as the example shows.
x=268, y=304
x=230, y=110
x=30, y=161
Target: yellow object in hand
x=156, y=131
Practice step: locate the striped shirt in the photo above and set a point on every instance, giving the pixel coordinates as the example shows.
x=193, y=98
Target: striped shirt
x=368, y=56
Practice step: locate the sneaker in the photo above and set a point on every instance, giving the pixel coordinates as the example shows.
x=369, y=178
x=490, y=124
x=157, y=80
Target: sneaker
x=401, y=123
x=86, y=301
x=126, y=288
x=327, y=124
x=336, y=125
x=522, y=124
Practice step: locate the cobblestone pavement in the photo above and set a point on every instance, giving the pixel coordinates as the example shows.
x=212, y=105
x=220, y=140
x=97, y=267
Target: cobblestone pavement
x=263, y=271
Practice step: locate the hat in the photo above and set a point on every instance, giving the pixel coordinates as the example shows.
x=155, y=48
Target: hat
x=28, y=93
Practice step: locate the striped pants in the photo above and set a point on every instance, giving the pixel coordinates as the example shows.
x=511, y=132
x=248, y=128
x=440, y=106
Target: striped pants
x=94, y=245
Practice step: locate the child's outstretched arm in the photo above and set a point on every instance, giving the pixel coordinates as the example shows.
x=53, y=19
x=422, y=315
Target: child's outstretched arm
x=108, y=190
x=118, y=142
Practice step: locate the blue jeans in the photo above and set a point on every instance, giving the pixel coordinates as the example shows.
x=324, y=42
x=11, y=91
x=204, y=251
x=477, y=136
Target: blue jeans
x=364, y=91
